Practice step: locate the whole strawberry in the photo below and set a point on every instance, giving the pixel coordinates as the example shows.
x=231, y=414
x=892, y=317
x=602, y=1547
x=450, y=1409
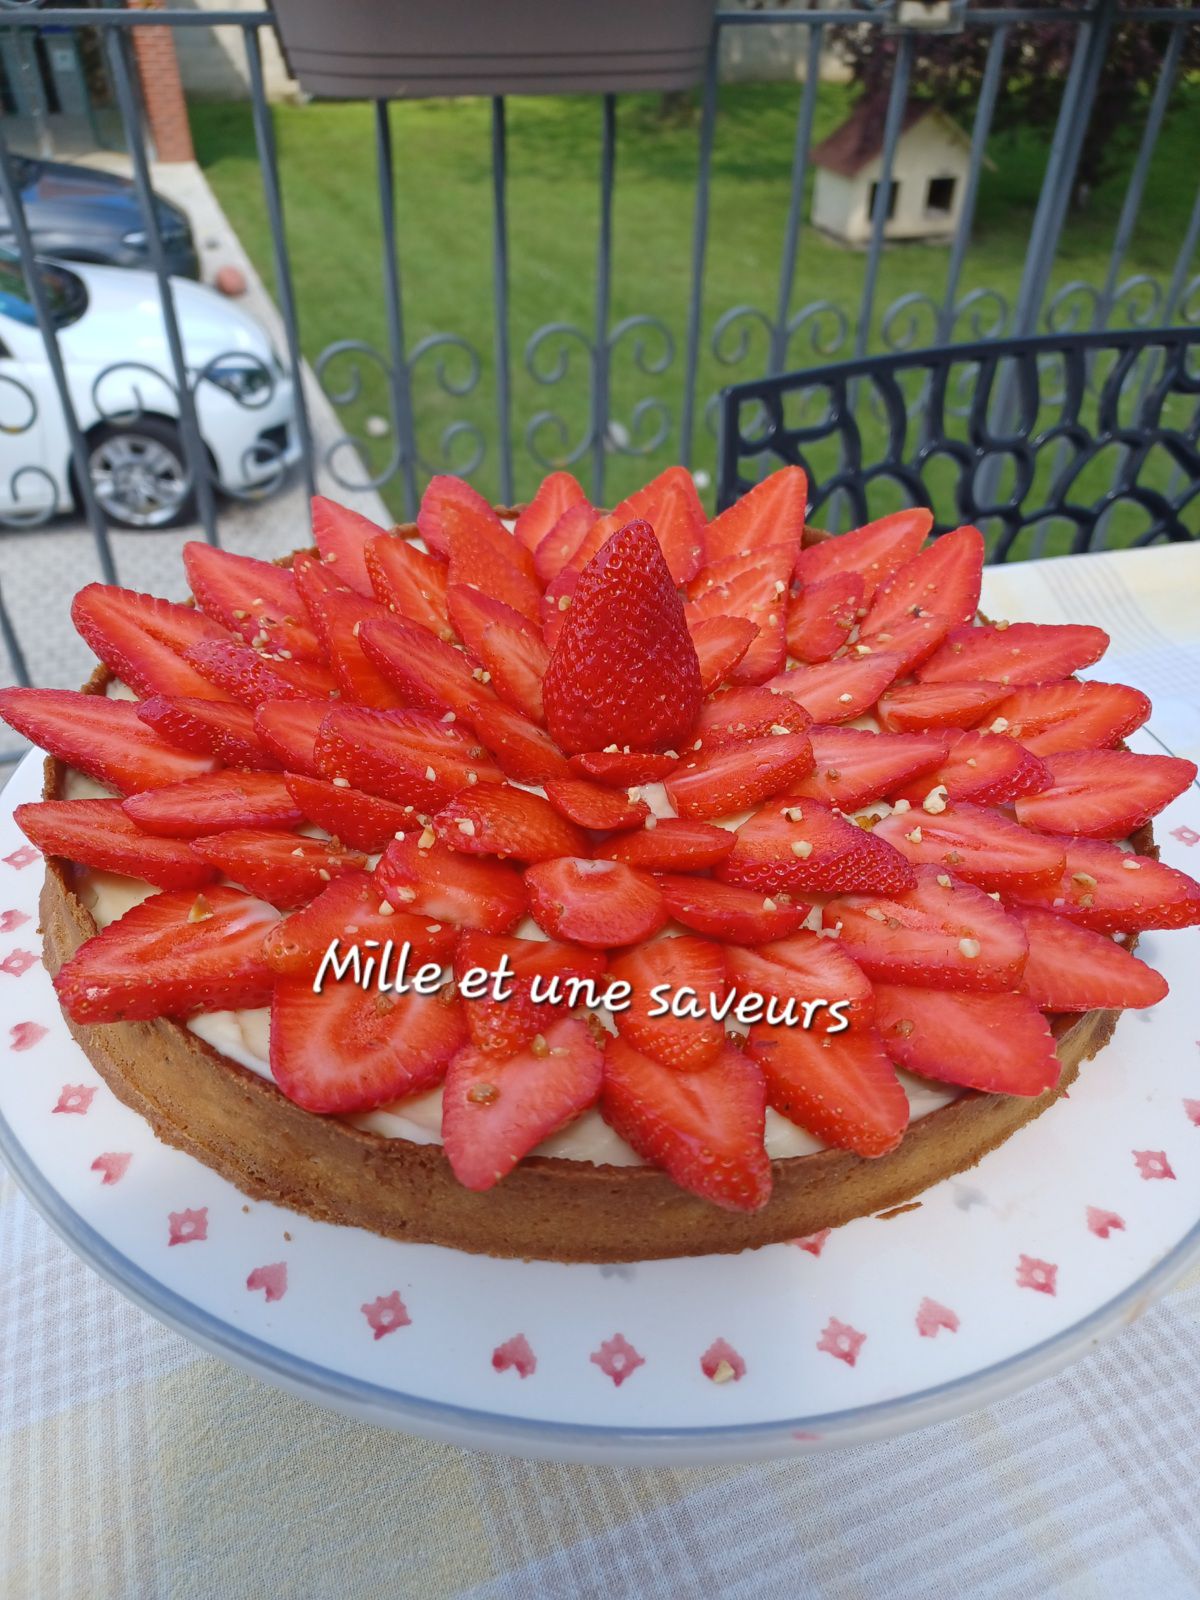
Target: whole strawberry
x=624, y=669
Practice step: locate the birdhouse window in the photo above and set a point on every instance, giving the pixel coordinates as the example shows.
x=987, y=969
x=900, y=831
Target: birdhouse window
x=940, y=197
x=891, y=204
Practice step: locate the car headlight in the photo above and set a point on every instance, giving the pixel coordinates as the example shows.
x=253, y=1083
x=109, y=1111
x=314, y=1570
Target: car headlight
x=136, y=240
x=249, y=383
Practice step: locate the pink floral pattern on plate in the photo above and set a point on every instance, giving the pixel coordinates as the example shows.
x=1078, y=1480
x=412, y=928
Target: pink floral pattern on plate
x=933, y=1318
x=273, y=1280
x=840, y=1340
x=113, y=1164
x=515, y=1354
x=76, y=1098
x=1103, y=1223
x=617, y=1358
x=187, y=1227
x=24, y=1035
x=1038, y=1275
x=386, y=1313
x=1153, y=1164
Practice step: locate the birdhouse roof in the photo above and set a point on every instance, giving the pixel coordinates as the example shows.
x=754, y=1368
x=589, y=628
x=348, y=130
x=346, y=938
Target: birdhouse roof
x=850, y=147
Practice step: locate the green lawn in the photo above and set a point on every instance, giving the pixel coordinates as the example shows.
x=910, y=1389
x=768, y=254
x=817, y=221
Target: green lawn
x=444, y=217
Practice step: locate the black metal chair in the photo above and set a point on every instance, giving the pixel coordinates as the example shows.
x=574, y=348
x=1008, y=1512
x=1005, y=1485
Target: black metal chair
x=1051, y=444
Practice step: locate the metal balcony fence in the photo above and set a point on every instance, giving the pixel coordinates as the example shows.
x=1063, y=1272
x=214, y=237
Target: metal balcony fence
x=793, y=330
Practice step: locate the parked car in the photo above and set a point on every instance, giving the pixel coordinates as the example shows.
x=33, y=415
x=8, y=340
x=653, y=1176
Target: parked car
x=119, y=373
x=79, y=214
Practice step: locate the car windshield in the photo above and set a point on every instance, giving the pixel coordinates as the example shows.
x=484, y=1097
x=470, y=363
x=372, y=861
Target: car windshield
x=65, y=293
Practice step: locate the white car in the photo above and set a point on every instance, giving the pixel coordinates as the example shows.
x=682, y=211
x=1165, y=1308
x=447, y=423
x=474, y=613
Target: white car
x=118, y=365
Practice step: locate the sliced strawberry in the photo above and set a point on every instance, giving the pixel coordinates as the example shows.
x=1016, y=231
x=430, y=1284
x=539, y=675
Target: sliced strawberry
x=340, y=615
x=515, y=660
x=1113, y=891
x=142, y=640
x=601, y=904
x=733, y=777
x=840, y=689
x=624, y=670
x=285, y=869
x=840, y=1087
x=748, y=713
x=496, y=1111
x=915, y=707
x=352, y=911
x=820, y=620
x=207, y=727
x=490, y=560
x=253, y=598
x=98, y=833
x=213, y=802
x=721, y=643
x=672, y=984
x=404, y=756
x=105, y=739
x=288, y=729
x=176, y=953
x=759, y=593
x=943, y=933
x=798, y=844
x=557, y=493
x=251, y=678
x=314, y=578
x=410, y=582
x=342, y=537
x=852, y=766
x=705, y=1128
x=977, y=844
x=529, y=983
x=875, y=551
x=417, y=873
x=351, y=1049
x=363, y=821
x=1104, y=794
x=1074, y=969
x=755, y=579
x=592, y=806
x=429, y=673
x=528, y=958
x=526, y=752
x=805, y=967
x=472, y=612
x=943, y=580
x=996, y=1043
x=442, y=492
x=670, y=504
x=770, y=513
x=503, y=1027
x=725, y=911
x=1053, y=717
x=495, y=819
x=673, y=844
x=619, y=769
x=556, y=602
x=1015, y=653
x=985, y=768
x=562, y=544
x=912, y=639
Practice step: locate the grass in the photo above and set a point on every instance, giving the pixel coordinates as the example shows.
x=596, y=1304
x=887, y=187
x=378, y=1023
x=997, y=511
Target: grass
x=444, y=212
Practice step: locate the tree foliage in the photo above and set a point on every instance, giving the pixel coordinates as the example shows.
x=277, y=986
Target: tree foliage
x=948, y=70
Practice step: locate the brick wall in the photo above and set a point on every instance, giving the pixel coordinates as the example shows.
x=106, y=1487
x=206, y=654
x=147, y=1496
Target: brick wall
x=162, y=91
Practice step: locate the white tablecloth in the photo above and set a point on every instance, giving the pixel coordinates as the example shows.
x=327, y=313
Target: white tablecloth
x=132, y=1465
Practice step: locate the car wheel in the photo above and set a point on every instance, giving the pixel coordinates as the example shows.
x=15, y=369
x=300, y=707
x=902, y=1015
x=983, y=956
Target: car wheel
x=139, y=474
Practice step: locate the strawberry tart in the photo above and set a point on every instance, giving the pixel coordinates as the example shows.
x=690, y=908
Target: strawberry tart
x=588, y=885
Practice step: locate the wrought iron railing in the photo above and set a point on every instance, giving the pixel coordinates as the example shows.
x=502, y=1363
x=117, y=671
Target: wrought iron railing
x=1041, y=442
x=742, y=339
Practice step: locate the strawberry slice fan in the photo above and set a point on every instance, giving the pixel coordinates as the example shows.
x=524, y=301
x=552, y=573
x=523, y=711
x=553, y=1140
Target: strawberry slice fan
x=683, y=819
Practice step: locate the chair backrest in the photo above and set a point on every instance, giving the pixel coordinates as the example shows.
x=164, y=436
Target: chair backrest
x=1050, y=444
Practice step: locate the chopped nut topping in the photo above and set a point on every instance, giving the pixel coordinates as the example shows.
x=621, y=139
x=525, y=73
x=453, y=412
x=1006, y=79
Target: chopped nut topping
x=935, y=801
x=465, y=825
x=651, y=821
x=875, y=914
x=1000, y=725
x=483, y=1094
x=769, y=904
x=802, y=848
x=431, y=774
x=793, y=813
x=538, y=1045
x=945, y=880
x=1131, y=865
x=1085, y=878
x=341, y=783
x=904, y=1027
x=386, y=909
x=564, y=600
x=902, y=805
x=722, y=1372
x=845, y=699
x=970, y=948
x=200, y=910
x=427, y=840
x=915, y=836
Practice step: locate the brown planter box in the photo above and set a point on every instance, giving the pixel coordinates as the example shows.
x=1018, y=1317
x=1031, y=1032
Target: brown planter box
x=413, y=49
